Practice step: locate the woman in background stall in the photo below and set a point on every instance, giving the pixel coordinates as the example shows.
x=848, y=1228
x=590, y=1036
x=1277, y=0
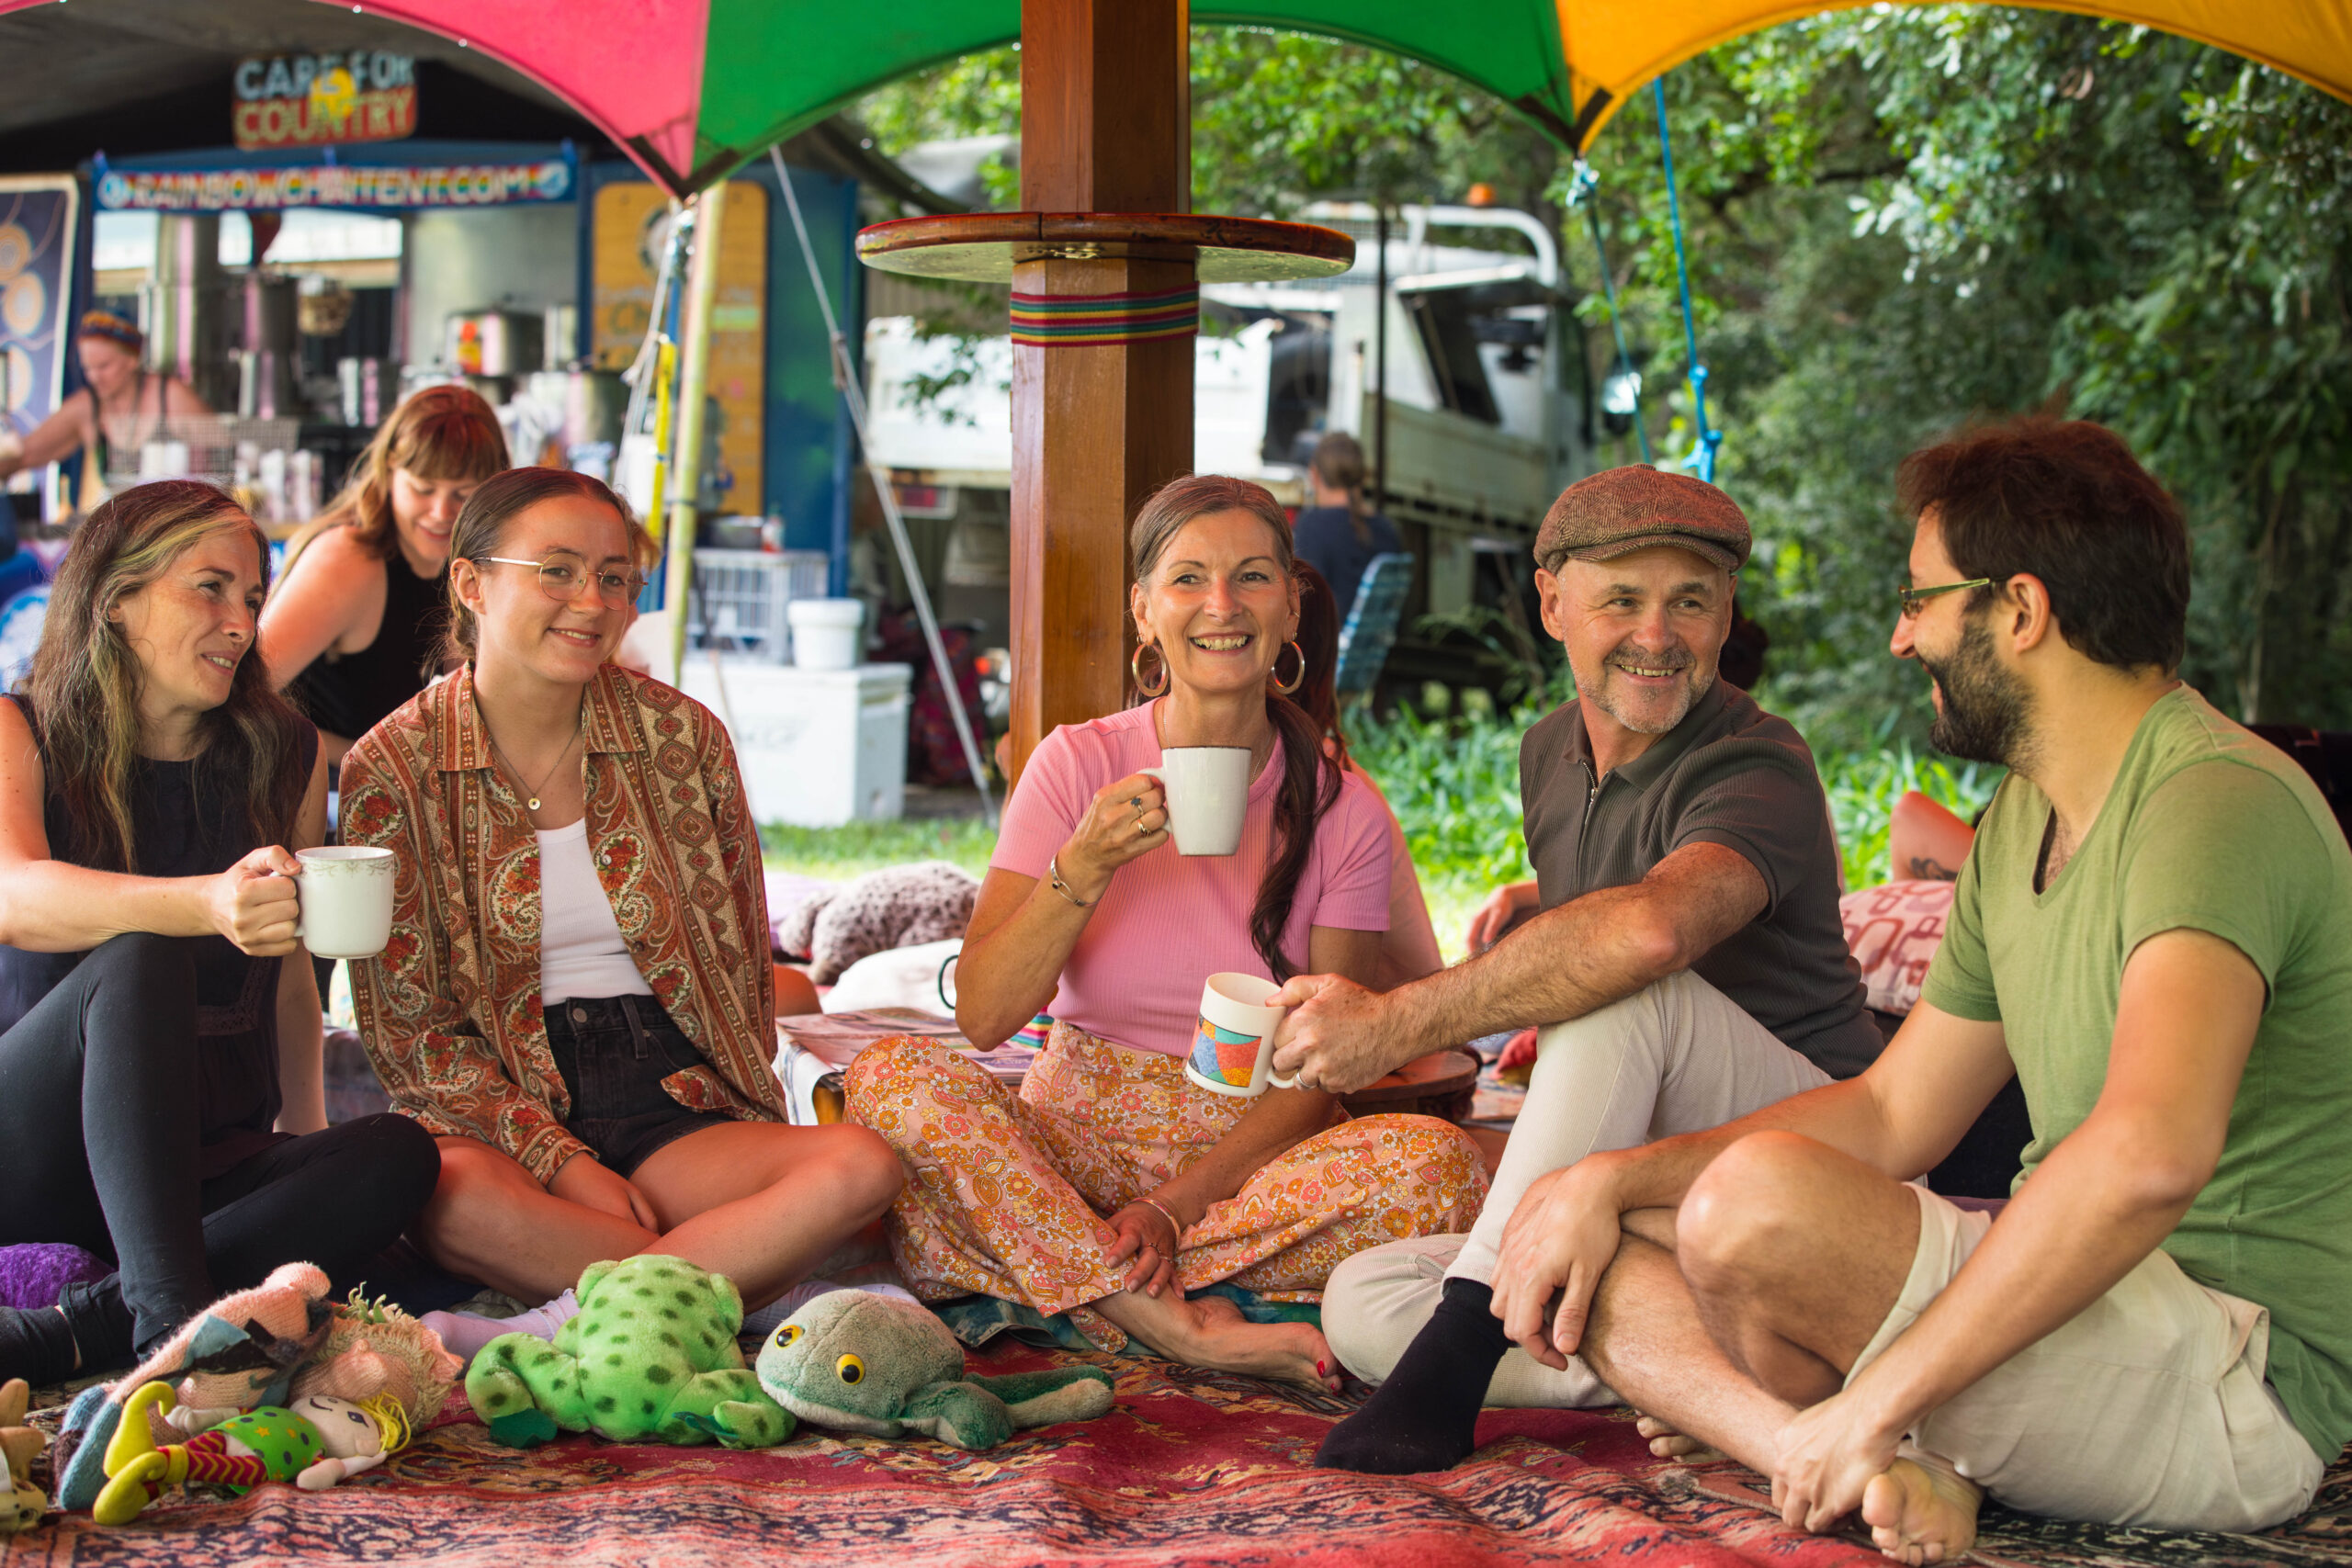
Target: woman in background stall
x=354, y=627
x=120, y=407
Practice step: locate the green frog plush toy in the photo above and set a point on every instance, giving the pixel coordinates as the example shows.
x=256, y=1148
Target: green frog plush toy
x=884, y=1365
x=651, y=1355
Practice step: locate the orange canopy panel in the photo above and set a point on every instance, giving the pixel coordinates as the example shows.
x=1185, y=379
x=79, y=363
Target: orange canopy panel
x=1613, y=48
x=692, y=88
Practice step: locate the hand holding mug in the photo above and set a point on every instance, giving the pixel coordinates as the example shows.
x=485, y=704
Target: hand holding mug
x=254, y=904
x=1126, y=820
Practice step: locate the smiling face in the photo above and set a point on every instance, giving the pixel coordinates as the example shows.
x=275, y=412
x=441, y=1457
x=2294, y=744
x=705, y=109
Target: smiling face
x=1983, y=709
x=424, y=513
x=106, y=366
x=1642, y=632
x=193, y=623
x=519, y=625
x=1218, y=602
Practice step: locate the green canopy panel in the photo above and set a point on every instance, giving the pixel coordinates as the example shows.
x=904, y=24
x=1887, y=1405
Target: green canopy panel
x=693, y=88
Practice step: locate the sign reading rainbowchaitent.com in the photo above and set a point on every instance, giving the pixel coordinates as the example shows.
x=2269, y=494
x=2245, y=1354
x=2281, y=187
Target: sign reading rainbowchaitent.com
x=396, y=188
x=316, y=100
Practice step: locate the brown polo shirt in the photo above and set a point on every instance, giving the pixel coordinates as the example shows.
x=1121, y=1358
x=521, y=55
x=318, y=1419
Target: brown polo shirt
x=1732, y=775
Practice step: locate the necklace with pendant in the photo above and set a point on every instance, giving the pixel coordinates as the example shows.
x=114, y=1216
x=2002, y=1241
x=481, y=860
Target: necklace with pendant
x=533, y=802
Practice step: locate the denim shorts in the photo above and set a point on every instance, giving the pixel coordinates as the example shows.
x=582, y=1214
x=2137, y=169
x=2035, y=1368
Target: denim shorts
x=614, y=1052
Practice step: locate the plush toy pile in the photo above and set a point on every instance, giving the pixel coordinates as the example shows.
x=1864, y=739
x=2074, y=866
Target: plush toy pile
x=278, y=1345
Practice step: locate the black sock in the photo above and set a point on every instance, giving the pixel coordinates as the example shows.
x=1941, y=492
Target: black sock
x=1426, y=1415
x=37, y=1345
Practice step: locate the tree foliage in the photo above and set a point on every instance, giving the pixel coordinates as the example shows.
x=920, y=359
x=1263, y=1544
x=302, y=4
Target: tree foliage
x=1900, y=219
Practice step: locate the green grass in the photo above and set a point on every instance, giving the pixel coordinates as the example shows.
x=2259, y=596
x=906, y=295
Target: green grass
x=837, y=855
x=1453, y=782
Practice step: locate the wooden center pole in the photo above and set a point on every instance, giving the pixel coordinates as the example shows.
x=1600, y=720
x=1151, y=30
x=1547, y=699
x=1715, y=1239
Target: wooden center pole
x=1105, y=127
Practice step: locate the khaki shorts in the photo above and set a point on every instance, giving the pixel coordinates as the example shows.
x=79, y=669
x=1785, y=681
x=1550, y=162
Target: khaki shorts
x=2148, y=1407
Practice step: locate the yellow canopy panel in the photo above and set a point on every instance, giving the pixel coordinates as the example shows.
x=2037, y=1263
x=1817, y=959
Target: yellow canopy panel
x=1615, y=46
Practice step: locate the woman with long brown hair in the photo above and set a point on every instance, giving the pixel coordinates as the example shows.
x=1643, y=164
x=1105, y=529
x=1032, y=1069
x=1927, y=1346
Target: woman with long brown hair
x=577, y=998
x=161, y=1089
x=1089, y=913
x=355, y=630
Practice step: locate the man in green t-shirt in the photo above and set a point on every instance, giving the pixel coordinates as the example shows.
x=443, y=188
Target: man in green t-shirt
x=2153, y=934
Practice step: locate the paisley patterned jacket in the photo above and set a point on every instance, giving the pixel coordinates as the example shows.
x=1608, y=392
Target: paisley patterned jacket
x=450, y=1010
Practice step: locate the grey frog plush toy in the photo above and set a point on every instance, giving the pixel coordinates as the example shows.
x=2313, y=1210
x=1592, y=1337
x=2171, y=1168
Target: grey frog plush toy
x=883, y=1365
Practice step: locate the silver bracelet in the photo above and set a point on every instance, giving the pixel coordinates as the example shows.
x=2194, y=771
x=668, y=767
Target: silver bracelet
x=1054, y=875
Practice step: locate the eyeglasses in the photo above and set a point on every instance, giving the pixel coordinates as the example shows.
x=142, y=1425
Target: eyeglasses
x=563, y=576
x=1915, y=599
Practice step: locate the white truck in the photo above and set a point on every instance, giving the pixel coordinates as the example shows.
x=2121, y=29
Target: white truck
x=1486, y=409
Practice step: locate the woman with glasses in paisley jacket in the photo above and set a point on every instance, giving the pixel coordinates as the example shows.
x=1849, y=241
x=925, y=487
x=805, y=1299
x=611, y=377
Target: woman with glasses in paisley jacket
x=577, y=997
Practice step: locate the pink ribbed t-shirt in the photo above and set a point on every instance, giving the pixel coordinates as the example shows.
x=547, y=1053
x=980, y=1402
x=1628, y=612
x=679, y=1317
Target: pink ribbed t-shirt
x=1169, y=921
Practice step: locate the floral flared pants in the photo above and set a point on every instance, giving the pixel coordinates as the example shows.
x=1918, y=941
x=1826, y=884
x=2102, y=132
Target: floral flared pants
x=1006, y=1194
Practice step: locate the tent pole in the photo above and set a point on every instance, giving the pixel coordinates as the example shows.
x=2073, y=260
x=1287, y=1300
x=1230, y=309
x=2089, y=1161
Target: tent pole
x=1096, y=427
x=1380, y=359
x=686, y=464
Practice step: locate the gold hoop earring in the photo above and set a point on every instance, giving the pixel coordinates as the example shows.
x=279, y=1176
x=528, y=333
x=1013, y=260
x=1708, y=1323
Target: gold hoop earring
x=1296, y=681
x=1135, y=667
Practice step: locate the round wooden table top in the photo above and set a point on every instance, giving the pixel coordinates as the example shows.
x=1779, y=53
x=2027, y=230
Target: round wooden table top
x=982, y=247
x=1435, y=1076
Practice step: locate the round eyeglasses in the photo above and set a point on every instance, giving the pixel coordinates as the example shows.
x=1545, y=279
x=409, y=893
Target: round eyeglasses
x=563, y=576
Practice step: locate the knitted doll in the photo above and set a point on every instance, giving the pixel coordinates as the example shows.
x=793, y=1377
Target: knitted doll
x=317, y=1442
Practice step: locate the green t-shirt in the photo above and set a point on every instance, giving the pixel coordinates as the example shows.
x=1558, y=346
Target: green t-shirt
x=2207, y=829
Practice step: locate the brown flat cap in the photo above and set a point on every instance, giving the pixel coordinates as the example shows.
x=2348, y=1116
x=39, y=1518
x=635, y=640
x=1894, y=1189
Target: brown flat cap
x=1618, y=511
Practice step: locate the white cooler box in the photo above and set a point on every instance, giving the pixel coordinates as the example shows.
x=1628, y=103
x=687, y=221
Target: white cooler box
x=817, y=748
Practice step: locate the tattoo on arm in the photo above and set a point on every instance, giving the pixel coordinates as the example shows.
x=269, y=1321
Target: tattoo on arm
x=1926, y=868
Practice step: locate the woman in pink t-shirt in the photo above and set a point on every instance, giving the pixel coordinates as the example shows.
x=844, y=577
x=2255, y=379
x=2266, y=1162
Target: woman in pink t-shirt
x=1089, y=913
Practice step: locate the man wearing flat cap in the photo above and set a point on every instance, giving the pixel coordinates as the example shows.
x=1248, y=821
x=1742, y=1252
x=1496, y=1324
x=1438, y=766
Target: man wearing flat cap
x=1687, y=967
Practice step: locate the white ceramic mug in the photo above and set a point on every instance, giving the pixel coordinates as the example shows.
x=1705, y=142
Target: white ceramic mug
x=1208, y=796
x=346, y=901
x=1233, y=1047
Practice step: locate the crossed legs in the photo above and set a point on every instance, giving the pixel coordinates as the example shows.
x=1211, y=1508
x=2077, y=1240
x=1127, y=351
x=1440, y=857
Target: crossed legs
x=1721, y=1320
x=760, y=1204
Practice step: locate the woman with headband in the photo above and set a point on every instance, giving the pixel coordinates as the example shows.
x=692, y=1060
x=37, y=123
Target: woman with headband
x=120, y=406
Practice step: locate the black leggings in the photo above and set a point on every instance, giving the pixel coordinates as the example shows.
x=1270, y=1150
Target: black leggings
x=99, y=1141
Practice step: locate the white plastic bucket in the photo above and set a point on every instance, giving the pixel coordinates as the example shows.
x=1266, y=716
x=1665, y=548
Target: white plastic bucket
x=825, y=632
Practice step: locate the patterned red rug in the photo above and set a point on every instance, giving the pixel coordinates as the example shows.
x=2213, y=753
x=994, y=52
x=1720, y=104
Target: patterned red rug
x=1192, y=1468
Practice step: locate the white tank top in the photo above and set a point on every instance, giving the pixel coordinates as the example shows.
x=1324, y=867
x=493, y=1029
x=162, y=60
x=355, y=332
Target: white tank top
x=580, y=951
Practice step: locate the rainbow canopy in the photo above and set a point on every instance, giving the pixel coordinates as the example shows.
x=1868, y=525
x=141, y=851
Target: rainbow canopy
x=694, y=87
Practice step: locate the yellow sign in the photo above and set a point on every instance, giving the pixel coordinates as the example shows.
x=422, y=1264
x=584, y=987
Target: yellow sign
x=631, y=224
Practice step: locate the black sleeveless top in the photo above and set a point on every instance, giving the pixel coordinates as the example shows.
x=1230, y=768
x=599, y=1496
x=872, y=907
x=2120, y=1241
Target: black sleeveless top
x=346, y=695
x=180, y=834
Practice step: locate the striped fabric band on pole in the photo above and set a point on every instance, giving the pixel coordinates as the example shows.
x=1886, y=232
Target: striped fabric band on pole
x=1061, y=319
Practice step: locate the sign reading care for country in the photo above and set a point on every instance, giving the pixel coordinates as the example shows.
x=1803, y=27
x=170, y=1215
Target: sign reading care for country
x=312, y=100
x=397, y=187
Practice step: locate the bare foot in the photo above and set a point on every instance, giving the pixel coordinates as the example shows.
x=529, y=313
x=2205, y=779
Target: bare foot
x=1667, y=1443
x=1921, y=1513
x=1212, y=1333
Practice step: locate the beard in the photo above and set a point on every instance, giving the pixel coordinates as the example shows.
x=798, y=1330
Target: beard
x=1626, y=707
x=1985, y=708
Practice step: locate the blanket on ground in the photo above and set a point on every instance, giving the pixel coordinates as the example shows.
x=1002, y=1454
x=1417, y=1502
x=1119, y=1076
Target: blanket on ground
x=1191, y=1468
